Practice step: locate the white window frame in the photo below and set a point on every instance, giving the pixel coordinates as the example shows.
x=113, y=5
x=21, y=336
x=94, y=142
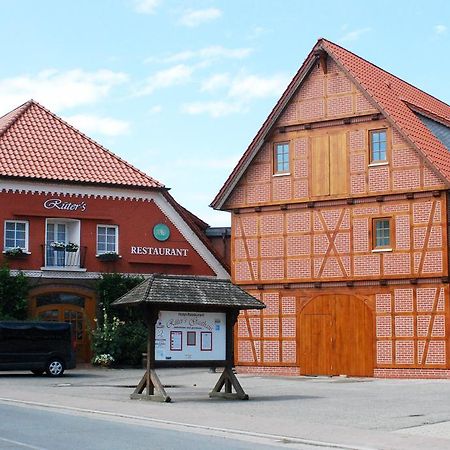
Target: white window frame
x=276, y=171
x=27, y=228
x=116, y=249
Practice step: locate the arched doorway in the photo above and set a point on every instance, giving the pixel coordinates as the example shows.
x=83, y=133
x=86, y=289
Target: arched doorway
x=67, y=307
x=336, y=336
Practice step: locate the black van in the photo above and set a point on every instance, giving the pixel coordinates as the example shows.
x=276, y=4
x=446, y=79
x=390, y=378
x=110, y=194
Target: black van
x=37, y=346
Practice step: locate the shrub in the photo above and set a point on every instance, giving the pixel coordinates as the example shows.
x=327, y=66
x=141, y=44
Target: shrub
x=110, y=287
x=120, y=332
x=13, y=295
x=105, y=338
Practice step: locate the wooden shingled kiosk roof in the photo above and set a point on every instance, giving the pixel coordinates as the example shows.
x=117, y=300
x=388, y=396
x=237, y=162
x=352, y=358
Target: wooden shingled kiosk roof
x=187, y=290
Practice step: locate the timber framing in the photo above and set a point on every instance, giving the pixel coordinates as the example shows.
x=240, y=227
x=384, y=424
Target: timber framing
x=339, y=300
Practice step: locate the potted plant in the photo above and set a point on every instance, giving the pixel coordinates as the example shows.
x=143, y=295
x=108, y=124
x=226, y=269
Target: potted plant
x=15, y=252
x=103, y=360
x=58, y=246
x=72, y=247
x=108, y=256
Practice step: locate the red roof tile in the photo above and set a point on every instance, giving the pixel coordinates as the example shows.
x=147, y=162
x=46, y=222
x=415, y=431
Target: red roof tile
x=36, y=144
x=394, y=97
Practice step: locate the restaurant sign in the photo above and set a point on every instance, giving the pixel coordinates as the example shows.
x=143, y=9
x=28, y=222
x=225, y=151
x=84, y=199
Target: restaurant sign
x=56, y=203
x=159, y=251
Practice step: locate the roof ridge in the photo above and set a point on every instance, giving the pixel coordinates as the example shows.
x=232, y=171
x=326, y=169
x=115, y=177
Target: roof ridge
x=93, y=141
x=150, y=281
x=266, y=125
x=386, y=72
x=374, y=84
x=14, y=117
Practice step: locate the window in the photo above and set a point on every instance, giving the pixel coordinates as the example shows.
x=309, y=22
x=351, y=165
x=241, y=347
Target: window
x=382, y=233
x=16, y=234
x=281, y=158
x=378, y=140
x=107, y=239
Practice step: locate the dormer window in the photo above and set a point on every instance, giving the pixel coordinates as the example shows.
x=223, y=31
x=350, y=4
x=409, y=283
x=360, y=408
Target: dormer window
x=281, y=158
x=378, y=145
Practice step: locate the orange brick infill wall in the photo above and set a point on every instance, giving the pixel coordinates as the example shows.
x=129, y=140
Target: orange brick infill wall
x=411, y=373
x=275, y=371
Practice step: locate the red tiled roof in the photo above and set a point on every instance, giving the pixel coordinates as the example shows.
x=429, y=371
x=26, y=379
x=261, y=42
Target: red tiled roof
x=394, y=97
x=36, y=144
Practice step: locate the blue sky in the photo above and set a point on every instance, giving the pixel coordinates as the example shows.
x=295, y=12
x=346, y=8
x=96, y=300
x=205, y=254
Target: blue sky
x=180, y=88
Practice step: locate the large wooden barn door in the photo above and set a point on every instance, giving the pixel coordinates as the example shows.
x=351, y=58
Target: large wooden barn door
x=336, y=337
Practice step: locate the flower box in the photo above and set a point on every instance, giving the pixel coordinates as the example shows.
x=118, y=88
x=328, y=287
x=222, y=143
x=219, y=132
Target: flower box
x=71, y=247
x=15, y=253
x=58, y=246
x=109, y=256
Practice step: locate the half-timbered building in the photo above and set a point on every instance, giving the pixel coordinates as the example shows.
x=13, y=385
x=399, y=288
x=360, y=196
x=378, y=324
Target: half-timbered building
x=71, y=210
x=340, y=225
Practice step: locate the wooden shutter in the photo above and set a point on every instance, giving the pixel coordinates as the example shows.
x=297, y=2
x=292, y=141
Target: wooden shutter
x=338, y=164
x=320, y=166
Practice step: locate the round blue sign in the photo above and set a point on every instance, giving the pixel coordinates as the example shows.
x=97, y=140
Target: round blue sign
x=161, y=232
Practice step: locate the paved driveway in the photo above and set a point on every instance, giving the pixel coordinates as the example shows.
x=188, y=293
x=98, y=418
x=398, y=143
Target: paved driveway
x=342, y=412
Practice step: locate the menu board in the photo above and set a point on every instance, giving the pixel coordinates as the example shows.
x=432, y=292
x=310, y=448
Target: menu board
x=190, y=336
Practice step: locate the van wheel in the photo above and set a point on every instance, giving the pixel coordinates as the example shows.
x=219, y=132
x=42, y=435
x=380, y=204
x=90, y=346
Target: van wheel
x=37, y=372
x=55, y=368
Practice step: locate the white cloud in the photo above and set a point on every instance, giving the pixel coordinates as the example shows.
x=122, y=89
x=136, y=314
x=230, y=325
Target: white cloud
x=354, y=35
x=199, y=16
x=210, y=53
x=175, y=75
x=256, y=32
x=156, y=109
x=215, y=82
x=253, y=86
x=146, y=6
x=59, y=90
x=214, y=109
x=241, y=90
x=440, y=30
x=89, y=123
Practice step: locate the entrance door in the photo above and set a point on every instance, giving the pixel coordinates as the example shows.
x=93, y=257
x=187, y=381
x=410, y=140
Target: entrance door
x=71, y=314
x=71, y=308
x=336, y=337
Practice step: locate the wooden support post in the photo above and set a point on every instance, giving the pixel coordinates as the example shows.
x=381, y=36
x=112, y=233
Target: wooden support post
x=228, y=379
x=150, y=382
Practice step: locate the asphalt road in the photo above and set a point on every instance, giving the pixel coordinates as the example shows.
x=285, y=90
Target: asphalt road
x=289, y=412
x=38, y=429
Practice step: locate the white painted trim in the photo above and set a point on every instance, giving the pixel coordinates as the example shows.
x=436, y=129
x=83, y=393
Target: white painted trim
x=381, y=163
x=82, y=191
x=381, y=250
x=62, y=269
x=190, y=236
x=27, y=234
x=116, y=246
x=122, y=194
x=60, y=273
x=281, y=174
